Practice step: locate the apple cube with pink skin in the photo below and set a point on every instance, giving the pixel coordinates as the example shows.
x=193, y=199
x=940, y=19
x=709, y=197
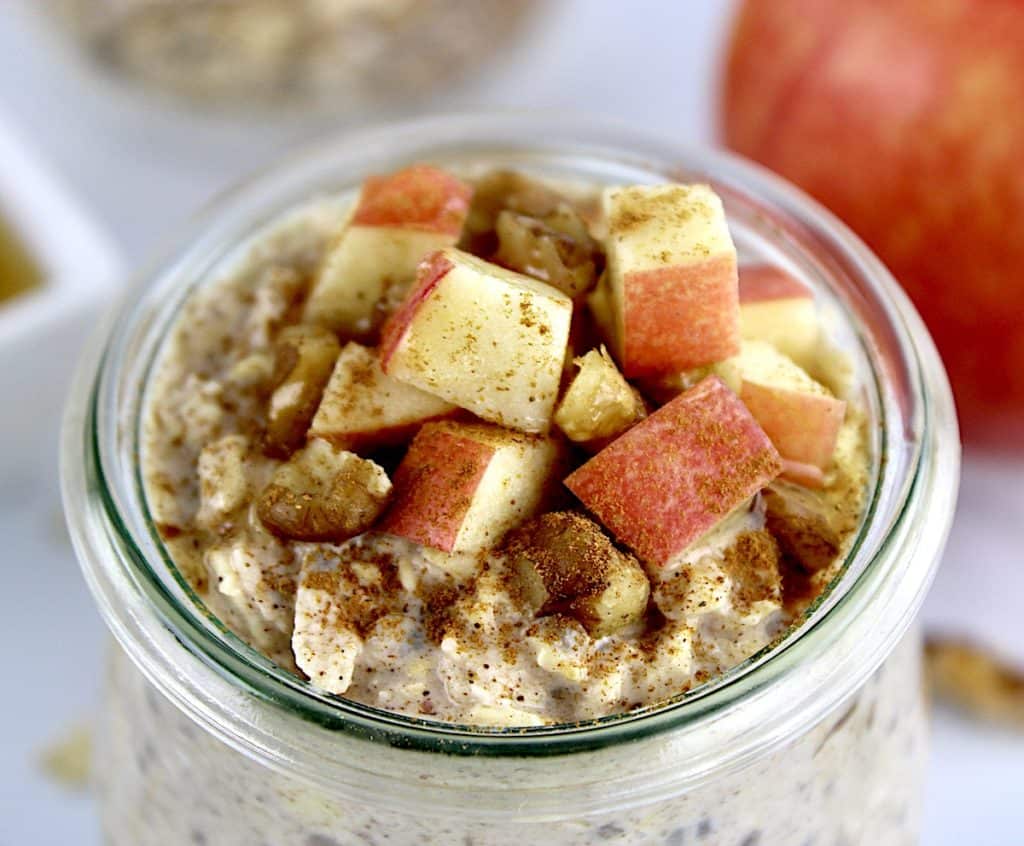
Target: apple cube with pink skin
x=462, y=486
x=801, y=417
x=671, y=478
x=778, y=308
x=488, y=339
x=397, y=220
x=364, y=407
x=672, y=278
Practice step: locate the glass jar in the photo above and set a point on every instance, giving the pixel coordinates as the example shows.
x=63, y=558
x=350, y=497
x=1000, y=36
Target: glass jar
x=820, y=739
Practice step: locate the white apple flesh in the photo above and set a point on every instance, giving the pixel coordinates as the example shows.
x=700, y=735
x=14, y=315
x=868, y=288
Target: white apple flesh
x=779, y=309
x=397, y=220
x=487, y=339
x=801, y=416
x=364, y=407
x=462, y=486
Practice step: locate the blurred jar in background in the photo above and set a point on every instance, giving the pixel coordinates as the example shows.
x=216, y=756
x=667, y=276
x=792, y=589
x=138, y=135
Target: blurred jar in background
x=353, y=53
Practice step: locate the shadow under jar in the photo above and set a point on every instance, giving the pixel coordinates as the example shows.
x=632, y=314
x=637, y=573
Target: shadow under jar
x=819, y=739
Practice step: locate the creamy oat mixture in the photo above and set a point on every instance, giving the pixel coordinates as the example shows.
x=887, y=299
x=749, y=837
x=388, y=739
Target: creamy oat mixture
x=350, y=52
x=504, y=485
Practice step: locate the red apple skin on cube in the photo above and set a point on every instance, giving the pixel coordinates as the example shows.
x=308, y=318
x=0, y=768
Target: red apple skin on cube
x=462, y=486
x=434, y=486
x=397, y=220
x=672, y=477
x=803, y=426
x=672, y=274
x=430, y=272
x=778, y=308
x=655, y=340
x=419, y=197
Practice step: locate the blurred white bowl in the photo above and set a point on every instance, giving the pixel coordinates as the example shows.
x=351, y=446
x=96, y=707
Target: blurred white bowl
x=42, y=329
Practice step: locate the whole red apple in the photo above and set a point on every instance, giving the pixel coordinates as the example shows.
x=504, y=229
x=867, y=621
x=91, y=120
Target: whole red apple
x=906, y=118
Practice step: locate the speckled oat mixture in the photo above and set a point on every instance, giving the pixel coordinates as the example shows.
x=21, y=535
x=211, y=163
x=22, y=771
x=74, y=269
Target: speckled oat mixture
x=452, y=636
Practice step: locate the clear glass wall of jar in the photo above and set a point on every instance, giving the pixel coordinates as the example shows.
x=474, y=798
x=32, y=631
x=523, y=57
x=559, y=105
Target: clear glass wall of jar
x=819, y=740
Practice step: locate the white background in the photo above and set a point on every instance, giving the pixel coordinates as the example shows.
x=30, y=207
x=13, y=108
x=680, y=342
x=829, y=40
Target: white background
x=144, y=169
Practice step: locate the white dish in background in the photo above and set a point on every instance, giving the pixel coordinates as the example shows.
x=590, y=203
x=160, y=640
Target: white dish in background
x=41, y=330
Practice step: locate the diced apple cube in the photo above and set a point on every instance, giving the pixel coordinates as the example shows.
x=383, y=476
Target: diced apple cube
x=324, y=493
x=303, y=359
x=672, y=274
x=599, y=403
x=485, y=338
x=397, y=220
x=566, y=565
x=674, y=476
x=801, y=417
x=462, y=486
x=364, y=407
x=777, y=308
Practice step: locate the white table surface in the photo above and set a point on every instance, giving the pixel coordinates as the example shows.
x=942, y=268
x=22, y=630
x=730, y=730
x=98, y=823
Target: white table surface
x=144, y=170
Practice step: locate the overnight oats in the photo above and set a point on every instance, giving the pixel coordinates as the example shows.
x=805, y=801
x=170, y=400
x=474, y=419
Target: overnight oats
x=505, y=498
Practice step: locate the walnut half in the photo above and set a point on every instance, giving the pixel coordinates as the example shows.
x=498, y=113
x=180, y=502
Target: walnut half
x=556, y=249
x=566, y=565
x=324, y=493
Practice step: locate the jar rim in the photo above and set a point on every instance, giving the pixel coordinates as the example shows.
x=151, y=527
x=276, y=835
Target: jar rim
x=918, y=455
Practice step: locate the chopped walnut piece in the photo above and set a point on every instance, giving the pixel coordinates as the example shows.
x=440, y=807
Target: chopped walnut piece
x=68, y=760
x=504, y=189
x=567, y=565
x=599, y=404
x=304, y=359
x=798, y=519
x=544, y=249
x=324, y=494
x=976, y=681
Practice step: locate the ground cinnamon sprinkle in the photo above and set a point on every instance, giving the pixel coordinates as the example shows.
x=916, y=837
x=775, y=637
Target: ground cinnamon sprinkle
x=752, y=562
x=437, y=610
x=169, y=531
x=575, y=562
x=360, y=604
x=568, y=551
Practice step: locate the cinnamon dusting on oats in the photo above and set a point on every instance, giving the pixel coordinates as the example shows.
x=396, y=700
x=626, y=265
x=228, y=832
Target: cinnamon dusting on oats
x=752, y=562
x=559, y=587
